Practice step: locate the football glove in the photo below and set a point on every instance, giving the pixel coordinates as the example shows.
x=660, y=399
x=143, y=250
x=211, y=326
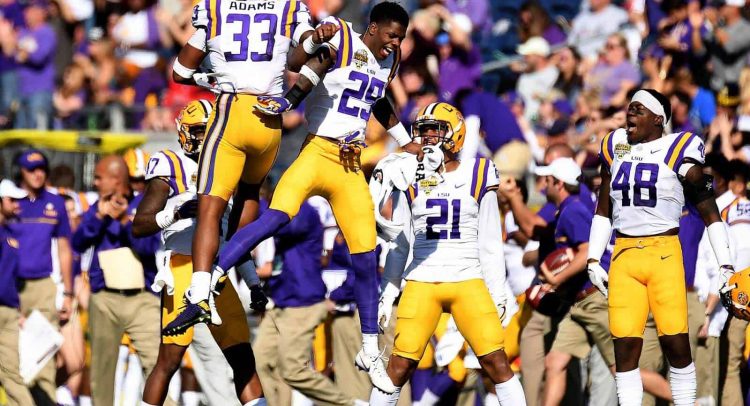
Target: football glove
x=725, y=292
x=258, y=299
x=272, y=106
x=598, y=277
x=385, y=305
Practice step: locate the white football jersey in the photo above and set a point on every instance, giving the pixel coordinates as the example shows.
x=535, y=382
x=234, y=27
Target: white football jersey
x=646, y=192
x=737, y=216
x=341, y=104
x=445, y=224
x=180, y=173
x=247, y=41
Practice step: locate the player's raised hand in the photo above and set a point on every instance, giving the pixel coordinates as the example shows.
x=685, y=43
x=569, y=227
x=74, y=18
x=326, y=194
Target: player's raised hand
x=414, y=148
x=598, y=277
x=324, y=33
x=272, y=106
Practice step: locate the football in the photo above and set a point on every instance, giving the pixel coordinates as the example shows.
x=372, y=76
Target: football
x=542, y=297
x=558, y=259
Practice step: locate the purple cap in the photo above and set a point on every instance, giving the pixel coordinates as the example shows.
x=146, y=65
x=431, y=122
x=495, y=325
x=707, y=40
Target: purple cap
x=32, y=159
x=563, y=107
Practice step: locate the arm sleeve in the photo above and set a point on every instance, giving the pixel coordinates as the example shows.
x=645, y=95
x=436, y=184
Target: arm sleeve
x=398, y=254
x=90, y=230
x=198, y=40
x=301, y=22
x=162, y=166
x=491, y=256
x=62, y=229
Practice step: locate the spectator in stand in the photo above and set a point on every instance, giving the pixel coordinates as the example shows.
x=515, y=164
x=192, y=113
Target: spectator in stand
x=42, y=219
x=535, y=22
x=10, y=315
x=538, y=75
x=11, y=18
x=139, y=32
x=35, y=54
x=97, y=58
x=702, y=101
x=69, y=99
x=681, y=105
x=476, y=11
x=117, y=306
x=727, y=44
x=569, y=81
x=591, y=27
x=676, y=36
x=614, y=75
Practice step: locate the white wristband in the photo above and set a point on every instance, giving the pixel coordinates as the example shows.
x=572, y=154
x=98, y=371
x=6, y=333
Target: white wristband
x=165, y=218
x=399, y=133
x=310, y=46
x=310, y=75
x=181, y=70
x=601, y=231
x=719, y=238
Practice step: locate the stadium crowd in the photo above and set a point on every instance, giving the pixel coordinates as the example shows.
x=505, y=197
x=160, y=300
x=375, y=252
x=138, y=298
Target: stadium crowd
x=536, y=81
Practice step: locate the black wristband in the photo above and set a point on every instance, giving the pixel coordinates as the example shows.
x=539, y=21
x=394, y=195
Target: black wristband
x=295, y=95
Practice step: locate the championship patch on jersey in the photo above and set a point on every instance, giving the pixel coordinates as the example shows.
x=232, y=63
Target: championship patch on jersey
x=428, y=184
x=621, y=150
x=360, y=58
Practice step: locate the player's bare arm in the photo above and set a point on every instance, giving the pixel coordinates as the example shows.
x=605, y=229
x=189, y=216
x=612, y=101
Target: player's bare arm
x=154, y=199
x=186, y=64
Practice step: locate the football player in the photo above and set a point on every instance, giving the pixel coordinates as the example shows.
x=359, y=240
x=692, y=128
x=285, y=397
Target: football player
x=169, y=206
x=646, y=178
x=353, y=73
x=245, y=45
x=451, y=226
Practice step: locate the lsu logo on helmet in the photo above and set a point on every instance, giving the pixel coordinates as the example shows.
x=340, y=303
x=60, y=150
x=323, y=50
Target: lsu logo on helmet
x=191, y=126
x=447, y=120
x=737, y=297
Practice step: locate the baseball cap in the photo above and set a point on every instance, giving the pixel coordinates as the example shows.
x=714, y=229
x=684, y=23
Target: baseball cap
x=729, y=95
x=534, y=46
x=734, y=3
x=32, y=159
x=9, y=189
x=564, y=169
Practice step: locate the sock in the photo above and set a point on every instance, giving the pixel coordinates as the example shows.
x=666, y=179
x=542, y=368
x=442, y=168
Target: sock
x=629, y=388
x=256, y=402
x=440, y=384
x=366, y=291
x=84, y=400
x=199, y=286
x=683, y=384
x=419, y=382
x=191, y=398
x=380, y=398
x=370, y=344
x=510, y=392
x=238, y=248
x=491, y=400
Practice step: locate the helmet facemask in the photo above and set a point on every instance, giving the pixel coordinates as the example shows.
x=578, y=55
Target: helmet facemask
x=440, y=133
x=191, y=138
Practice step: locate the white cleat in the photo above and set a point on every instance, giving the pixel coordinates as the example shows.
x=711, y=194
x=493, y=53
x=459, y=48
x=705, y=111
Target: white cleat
x=374, y=367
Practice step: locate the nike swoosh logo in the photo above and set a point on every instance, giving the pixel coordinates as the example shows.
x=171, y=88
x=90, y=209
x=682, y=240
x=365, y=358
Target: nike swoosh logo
x=665, y=256
x=655, y=151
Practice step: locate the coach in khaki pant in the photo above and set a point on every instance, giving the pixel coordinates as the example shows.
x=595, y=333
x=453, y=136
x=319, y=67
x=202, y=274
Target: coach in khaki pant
x=120, y=302
x=282, y=349
x=10, y=378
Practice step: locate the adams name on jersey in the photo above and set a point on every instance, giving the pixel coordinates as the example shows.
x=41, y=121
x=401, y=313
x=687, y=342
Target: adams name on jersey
x=247, y=41
x=342, y=103
x=646, y=190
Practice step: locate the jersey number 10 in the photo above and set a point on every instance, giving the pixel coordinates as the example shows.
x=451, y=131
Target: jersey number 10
x=243, y=37
x=621, y=182
x=442, y=219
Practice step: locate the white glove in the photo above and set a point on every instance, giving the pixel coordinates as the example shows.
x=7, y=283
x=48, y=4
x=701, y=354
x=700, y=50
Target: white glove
x=385, y=305
x=502, y=312
x=725, y=272
x=598, y=277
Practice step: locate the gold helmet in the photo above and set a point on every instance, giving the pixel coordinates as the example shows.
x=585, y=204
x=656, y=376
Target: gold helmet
x=136, y=159
x=737, y=297
x=191, y=126
x=448, y=121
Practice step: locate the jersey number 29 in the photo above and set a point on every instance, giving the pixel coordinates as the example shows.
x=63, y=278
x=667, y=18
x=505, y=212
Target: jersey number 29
x=646, y=176
x=369, y=91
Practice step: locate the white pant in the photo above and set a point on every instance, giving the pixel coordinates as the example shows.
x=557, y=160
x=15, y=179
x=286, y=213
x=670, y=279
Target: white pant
x=211, y=368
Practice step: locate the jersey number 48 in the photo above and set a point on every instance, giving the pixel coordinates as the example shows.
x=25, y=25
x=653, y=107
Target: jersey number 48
x=644, y=180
